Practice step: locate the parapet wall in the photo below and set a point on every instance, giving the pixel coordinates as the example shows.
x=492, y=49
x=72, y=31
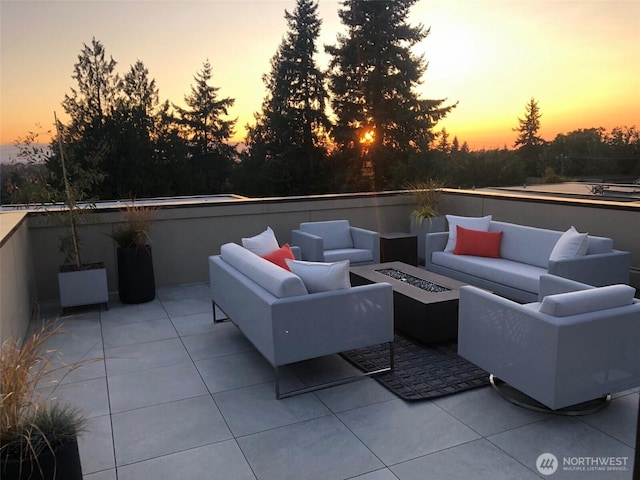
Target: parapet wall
x=185, y=233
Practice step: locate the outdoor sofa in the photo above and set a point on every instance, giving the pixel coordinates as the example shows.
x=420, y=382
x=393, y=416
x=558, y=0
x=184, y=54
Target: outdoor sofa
x=273, y=308
x=524, y=254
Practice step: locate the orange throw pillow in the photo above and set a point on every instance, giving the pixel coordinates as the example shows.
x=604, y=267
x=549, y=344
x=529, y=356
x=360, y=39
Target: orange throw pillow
x=478, y=243
x=278, y=256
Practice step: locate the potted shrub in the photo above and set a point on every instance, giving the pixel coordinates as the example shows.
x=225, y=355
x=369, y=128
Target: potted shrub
x=79, y=283
x=38, y=436
x=136, y=283
x=426, y=218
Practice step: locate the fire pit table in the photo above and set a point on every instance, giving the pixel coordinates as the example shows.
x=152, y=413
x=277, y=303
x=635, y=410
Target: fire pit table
x=425, y=304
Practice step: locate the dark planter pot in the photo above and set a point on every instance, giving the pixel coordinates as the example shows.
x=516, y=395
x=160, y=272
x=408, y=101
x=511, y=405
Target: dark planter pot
x=136, y=283
x=61, y=464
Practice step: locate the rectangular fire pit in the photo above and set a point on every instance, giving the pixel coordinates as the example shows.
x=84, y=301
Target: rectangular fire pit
x=425, y=304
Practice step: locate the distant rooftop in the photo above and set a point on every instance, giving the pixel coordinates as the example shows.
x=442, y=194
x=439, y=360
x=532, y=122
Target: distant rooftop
x=602, y=191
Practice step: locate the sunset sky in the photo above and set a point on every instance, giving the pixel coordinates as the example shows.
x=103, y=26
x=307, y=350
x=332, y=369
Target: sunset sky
x=580, y=59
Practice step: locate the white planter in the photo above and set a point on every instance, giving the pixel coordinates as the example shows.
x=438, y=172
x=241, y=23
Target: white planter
x=83, y=287
x=428, y=225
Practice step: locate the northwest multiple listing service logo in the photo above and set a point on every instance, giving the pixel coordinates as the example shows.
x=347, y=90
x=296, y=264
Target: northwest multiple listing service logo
x=548, y=464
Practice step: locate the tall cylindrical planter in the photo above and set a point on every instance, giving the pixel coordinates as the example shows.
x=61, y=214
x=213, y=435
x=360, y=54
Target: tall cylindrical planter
x=136, y=283
x=61, y=464
x=428, y=225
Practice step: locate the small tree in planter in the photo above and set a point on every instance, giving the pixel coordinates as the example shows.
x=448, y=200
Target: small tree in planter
x=136, y=282
x=38, y=436
x=427, y=195
x=79, y=283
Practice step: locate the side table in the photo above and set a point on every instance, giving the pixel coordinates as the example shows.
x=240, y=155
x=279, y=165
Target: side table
x=399, y=247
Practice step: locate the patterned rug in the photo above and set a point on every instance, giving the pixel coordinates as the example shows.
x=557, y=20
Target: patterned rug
x=421, y=371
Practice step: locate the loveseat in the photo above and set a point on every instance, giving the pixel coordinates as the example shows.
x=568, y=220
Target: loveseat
x=525, y=253
x=271, y=306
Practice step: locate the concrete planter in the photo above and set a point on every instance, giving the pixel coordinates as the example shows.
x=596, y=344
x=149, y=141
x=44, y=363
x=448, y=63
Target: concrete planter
x=428, y=225
x=83, y=287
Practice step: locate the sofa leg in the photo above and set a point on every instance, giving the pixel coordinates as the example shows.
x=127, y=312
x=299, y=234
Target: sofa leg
x=216, y=320
x=342, y=381
x=392, y=356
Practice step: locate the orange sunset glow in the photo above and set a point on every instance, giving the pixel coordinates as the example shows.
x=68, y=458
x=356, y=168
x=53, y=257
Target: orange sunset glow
x=579, y=59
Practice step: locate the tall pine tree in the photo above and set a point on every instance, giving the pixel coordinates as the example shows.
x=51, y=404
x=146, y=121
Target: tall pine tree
x=89, y=138
x=288, y=141
x=207, y=133
x=528, y=143
x=373, y=74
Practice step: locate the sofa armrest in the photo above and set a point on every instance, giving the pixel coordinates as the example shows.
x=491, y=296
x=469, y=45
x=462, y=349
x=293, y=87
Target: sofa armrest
x=368, y=240
x=552, y=285
x=330, y=322
x=434, y=242
x=297, y=252
x=495, y=332
x=310, y=245
x=597, y=269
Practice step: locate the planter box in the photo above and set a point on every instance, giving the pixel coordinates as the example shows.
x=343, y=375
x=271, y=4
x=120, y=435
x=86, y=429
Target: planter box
x=61, y=464
x=83, y=287
x=428, y=225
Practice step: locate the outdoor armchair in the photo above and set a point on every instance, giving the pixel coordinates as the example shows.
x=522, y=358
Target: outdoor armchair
x=577, y=344
x=336, y=240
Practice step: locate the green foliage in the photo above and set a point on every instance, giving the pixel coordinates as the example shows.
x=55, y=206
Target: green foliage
x=529, y=144
x=288, y=143
x=550, y=176
x=206, y=133
x=134, y=232
x=372, y=76
x=427, y=195
x=29, y=423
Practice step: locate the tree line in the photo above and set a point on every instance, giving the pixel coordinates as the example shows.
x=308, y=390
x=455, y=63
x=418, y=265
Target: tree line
x=121, y=141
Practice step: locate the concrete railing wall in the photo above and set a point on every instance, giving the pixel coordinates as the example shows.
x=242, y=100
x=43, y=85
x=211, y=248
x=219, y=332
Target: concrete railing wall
x=185, y=234
x=17, y=285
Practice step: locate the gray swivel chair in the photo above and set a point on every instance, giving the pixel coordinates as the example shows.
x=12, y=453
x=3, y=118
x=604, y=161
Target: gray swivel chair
x=336, y=240
x=576, y=345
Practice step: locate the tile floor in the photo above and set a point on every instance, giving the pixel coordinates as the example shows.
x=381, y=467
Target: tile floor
x=176, y=397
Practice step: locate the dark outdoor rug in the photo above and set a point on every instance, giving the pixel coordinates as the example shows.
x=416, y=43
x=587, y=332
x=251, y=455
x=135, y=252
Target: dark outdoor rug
x=421, y=371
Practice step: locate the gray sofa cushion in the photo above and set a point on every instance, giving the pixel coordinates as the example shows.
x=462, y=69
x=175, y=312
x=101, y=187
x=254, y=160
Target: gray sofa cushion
x=354, y=255
x=599, y=245
x=499, y=270
x=525, y=244
x=276, y=280
x=583, y=301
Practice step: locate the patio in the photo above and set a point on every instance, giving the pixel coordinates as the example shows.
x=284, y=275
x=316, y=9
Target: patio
x=179, y=397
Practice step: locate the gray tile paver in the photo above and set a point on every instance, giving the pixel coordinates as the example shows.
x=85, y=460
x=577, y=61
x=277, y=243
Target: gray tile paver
x=235, y=429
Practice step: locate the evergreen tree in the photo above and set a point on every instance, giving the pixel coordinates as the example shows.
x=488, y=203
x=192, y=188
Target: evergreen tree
x=288, y=140
x=372, y=75
x=207, y=133
x=133, y=171
x=528, y=143
x=89, y=138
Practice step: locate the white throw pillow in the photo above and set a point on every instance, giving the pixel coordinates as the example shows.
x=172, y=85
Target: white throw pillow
x=473, y=223
x=320, y=276
x=262, y=244
x=571, y=244
x=591, y=300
